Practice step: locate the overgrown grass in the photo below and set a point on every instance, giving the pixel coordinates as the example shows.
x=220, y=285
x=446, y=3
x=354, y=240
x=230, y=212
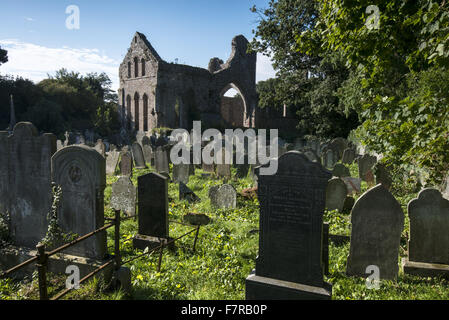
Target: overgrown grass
x=225, y=255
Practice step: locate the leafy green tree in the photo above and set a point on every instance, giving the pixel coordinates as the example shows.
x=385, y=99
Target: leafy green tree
x=3, y=56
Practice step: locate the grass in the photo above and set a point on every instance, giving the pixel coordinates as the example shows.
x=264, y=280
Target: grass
x=225, y=255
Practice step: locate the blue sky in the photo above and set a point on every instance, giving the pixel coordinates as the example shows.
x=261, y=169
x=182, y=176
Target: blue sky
x=192, y=31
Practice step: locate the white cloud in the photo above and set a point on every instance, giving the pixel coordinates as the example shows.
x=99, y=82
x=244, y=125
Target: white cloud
x=29, y=19
x=34, y=62
x=264, y=68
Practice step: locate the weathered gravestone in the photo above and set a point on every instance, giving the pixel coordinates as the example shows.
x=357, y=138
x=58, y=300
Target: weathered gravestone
x=428, y=246
x=242, y=170
x=382, y=175
x=161, y=160
x=147, y=151
x=336, y=193
x=100, y=147
x=59, y=145
x=25, y=182
x=329, y=158
x=354, y=185
x=126, y=163
x=377, y=222
x=340, y=170
x=338, y=145
x=139, y=160
x=223, y=196
x=80, y=171
x=181, y=173
x=348, y=156
x=311, y=155
x=111, y=161
x=152, y=194
x=366, y=163
x=123, y=196
x=445, y=187
x=290, y=264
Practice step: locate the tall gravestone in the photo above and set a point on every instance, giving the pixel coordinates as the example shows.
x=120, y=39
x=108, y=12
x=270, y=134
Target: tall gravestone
x=336, y=193
x=111, y=161
x=100, y=147
x=290, y=264
x=181, y=173
x=161, y=160
x=138, y=157
x=428, y=246
x=366, y=163
x=123, y=196
x=126, y=163
x=25, y=182
x=152, y=194
x=81, y=173
x=340, y=170
x=348, y=156
x=147, y=151
x=377, y=222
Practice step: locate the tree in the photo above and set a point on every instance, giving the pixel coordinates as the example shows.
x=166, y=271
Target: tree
x=3, y=56
x=307, y=80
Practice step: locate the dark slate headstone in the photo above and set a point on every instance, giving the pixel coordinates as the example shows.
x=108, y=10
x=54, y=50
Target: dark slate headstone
x=348, y=156
x=152, y=210
x=111, y=161
x=340, y=170
x=242, y=170
x=123, y=196
x=181, y=173
x=428, y=246
x=126, y=163
x=81, y=173
x=366, y=163
x=336, y=193
x=139, y=160
x=161, y=160
x=186, y=193
x=348, y=204
x=382, y=175
x=25, y=182
x=377, y=222
x=292, y=202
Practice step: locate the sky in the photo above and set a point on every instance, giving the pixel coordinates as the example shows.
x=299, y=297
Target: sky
x=39, y=41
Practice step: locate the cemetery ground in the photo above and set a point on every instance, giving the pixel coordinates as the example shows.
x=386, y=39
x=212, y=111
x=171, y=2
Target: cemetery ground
x=225, y=255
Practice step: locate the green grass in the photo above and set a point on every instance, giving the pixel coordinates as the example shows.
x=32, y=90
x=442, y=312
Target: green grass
x=225, y=255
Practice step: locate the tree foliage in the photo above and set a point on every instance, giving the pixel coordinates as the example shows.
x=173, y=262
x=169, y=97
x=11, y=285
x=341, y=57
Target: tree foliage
x=3, y=56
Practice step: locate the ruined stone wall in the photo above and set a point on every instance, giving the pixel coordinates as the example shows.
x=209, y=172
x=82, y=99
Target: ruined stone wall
x=232, y=111
x=178, y=94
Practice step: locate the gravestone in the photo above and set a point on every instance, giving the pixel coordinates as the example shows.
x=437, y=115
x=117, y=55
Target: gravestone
x=340, y=170
x=123, y=196
x=445, y=187
x=187, y=194
x=329, y=159
x=81, y=173
x=161, y=160
x=348, y=156
x=366, y=163
x=348, y=205
x=223, y=168
x=336, y=193
x=147, y=150
x=152, y=194
x=223, y=196
x=354, y=185
x=377, y=222
x=290, y=262
x=311, y=155
x=338, y=145
x=126, y=163
x=428, y=246
x=111, y=161
x=382, y=175
x=139, y=160
x=25, y=182
x=181, y=173
x=100, y=147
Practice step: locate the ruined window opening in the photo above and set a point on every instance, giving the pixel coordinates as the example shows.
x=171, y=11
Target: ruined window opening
x=128, y=111
x=145, y=112
x=143, y=67
x=129, y=69
x=136, y=67
x=232, y=106
x=136, y=111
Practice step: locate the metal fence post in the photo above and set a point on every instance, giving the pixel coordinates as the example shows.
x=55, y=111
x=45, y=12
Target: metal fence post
x=196, y=237
x=42, y=271
x=161, y=251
